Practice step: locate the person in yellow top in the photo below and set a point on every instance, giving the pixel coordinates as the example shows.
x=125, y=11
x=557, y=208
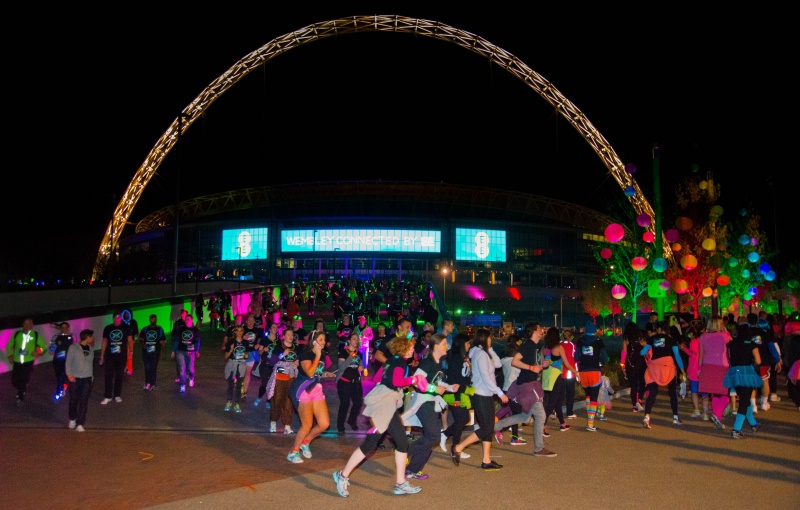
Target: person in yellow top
x=23, y=348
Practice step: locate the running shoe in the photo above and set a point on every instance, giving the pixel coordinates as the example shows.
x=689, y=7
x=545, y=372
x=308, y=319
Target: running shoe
x=727, y=411
x=305, y=450
x=602, y=417
x=406, y=488
x=696, y=414
x=755, y=428
x=545, y=433
x=572, y=416
x=191, y=382
x=237, y=408
x=518, y=441
x=544, y=452
x=736, y=434
x=774, y=398
x=646, y=422
x=563, y=428
x=273, y=426
x=639, y=406
x=105, y=401
x=117, y=399
x=294, y=457
x=717, y=424
x=591, y=428
x=183, y=388
x=498, y=436
x=342, y=483
x=228, y=405
x=80, y=428
x=676, y=421
x=419, y=475
x=256, y=402
x=72, y=424
x=443, y=442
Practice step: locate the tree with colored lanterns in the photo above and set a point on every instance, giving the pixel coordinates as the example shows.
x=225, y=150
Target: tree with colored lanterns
x=696, y=241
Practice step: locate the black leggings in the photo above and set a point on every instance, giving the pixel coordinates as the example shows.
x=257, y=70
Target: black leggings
x=460, y=419
x=555, y=400
x=484, y=416
x=652, y=392
x=396, y=431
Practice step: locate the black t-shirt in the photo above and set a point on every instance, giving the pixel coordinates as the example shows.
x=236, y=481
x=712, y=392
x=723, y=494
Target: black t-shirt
x=353, y=361
x=388, y=370
x=531, y=355
x=238, y=350
x=308, y=355
x=60, y=344
x=740, y=352
x=762, y=338
x=151, y=338
x=590, y=353
x=189, y=339
x=254, y=336
x=662, y=346
x=117, y=337
x=432, y=369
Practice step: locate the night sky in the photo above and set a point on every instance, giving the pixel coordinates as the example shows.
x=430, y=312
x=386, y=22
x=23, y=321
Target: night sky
x=90, y=94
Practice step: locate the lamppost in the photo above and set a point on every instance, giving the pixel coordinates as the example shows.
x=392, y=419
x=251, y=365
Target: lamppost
x=334, y=263
x=444, y=285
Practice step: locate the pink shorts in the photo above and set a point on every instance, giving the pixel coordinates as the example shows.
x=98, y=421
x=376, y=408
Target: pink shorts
x=763, y=372
x=313, y=395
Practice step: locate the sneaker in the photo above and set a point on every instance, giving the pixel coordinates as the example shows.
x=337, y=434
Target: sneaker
x=696, y=414
x=273, y=426
x=237, y=408
x=183, y=389
x=406, y=488
x=305, y=450
x=191, y=382
x=774, y=398
x=572, y=416
x=518, y=441
x=153, y=388
x=464, y=455
x=72, y=424
x=765, y=405
x=635, y=410
x=177, y=379
x=443, y=442
x=737, y=434
x=676, y=421
x=498, y=436
x=646, y=422
x=755, y=428
x=545, y=433
x=491, y=466
x=342, y=483
x=639, y=406
x=602, y=417
x=544, y=452
x=256, y=402
x=117, y=399
x=228, y=405
x=147, y=387
x=294, y=458
x=105, y=401
x=267, y=405
x=706, y=416
x=717, y=424
x=591, y=428
x=563, y=428
x=129, y=372
x=80, y=428
x=288, y=430
x=419, y=475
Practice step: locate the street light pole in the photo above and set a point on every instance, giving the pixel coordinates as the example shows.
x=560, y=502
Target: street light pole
x=444, y=286
x=239, y=249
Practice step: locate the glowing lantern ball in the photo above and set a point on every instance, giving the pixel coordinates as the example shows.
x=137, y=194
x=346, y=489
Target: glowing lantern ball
x=722, y=246
x=664, y=285
x=744, y=239
x=629, y=191
x=745, y=273
x=630, y=168
x=643, y=220
x=709, y=244
x=676, y=247
x=764, y=268
x=753, y=256
x=618, y=291
x=689, y=262
x=660, y=265
x=638, y=263
x=702, y=185
x=715, y=211
x=684, y=223
x=733, y=262
x=770, y=276
x=671, y=235
x=707, y=292
x=614, y=233
x=605, y=253
x=793, y=284
x=680, y=286
x=648, y=237
x=723, y=280
x=754, y=241
x=748, y=296
x=742, y=212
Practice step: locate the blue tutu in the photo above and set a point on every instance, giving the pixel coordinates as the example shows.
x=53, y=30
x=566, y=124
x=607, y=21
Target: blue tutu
x=742, y=376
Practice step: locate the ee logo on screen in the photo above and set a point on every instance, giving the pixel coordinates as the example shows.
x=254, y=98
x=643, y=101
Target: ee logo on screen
x=482, y=245
x=245, y=246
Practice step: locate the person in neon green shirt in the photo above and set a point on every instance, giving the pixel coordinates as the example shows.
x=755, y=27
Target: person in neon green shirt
x=22, y=349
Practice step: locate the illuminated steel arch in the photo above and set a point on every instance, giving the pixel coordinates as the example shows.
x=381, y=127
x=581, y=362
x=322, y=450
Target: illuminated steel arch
x=375, y=23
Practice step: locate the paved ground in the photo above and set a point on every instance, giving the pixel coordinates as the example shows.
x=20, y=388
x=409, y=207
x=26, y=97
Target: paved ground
x=170, y=451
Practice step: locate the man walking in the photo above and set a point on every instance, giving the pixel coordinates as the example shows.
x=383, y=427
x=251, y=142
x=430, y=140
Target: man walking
x=114, y=356
x=22, y=349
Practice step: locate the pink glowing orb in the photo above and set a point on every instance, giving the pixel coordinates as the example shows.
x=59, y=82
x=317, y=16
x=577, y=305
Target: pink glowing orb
x=614, y=233
x=638, y=263
x=688, y=262
x=664, y=285
x=643, y=220
x=684, y=223
x=605, y=253
x=680, y=286
x=618, y=291
x=648, y=237
x=671, y=235
x=630, y=168
x=723, y=280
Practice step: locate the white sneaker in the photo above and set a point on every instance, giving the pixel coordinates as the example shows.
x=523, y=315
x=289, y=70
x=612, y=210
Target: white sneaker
x=294, y=457
x=273, y=426
x=305, y=450
x=72, y=424
x=80, y=428
x=191, y=382
x=105, y=401
x=774, y=398
x=342, y=483
x=406, y=488
x=443, y=442
x=117, y=399
x=465, y=455
x=288, y=430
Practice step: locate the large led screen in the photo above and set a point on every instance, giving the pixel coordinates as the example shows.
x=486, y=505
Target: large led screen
x=364, y=239
x=244, y=243
x=480, y=244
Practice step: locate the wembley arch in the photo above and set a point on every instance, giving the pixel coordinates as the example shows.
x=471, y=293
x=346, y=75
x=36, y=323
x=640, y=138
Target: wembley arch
x=350, y=25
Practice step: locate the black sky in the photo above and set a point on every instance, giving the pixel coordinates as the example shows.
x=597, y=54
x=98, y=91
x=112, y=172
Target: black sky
x=89, y=99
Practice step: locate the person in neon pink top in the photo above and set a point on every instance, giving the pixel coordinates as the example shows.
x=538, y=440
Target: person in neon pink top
x=712, y=365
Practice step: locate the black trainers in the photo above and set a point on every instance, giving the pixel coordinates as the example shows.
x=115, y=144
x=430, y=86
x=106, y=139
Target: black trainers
x=491, y=466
